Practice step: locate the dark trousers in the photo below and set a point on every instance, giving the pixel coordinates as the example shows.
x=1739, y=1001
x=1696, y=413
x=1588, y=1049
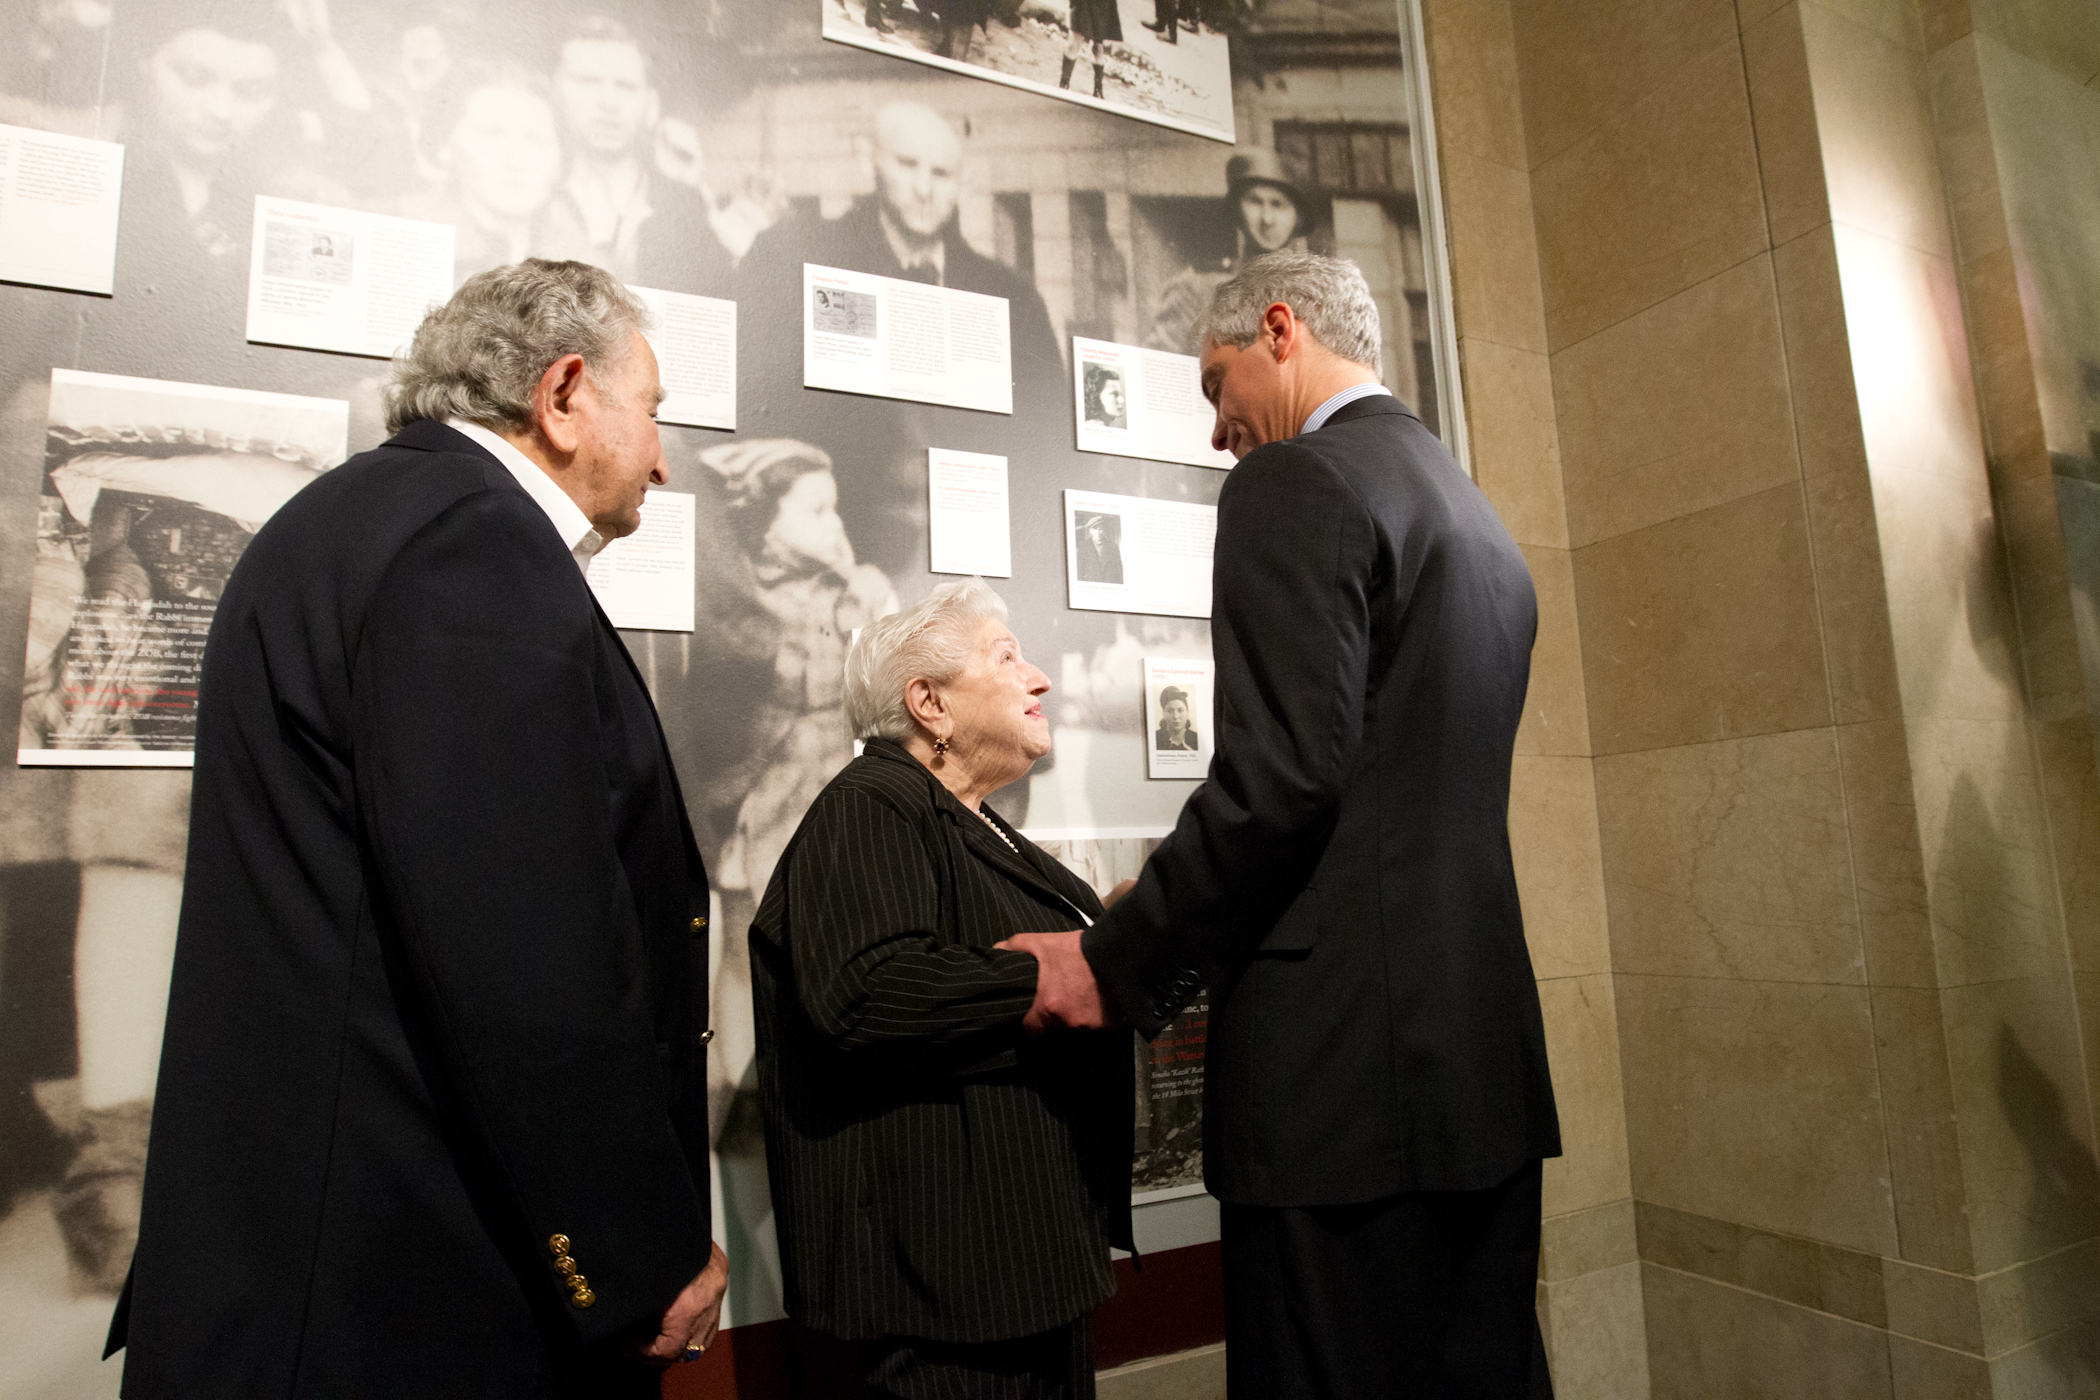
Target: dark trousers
x=1053, y=1365
x=1428, y=1294
x=1166, y=16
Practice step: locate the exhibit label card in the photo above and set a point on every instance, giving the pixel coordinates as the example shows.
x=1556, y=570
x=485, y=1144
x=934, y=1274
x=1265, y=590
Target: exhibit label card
x=321, y=278
x=895, y=339
x=969, y=528
x=695, y=345
x=58, y=209
x=151, y=493
x=645, y=581
x=1178, y=716
x=1132, y=554
x=1135, y=402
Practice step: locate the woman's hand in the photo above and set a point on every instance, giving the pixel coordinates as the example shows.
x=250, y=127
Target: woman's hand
x=1122, y=888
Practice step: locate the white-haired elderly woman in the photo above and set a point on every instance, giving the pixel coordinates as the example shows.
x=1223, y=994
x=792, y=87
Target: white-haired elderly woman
x=945, y=1187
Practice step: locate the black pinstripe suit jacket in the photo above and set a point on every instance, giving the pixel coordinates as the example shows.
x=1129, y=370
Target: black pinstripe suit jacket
x=935, y=1173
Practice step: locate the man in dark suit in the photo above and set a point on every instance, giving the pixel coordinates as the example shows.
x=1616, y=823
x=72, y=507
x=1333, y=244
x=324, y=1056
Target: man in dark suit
x=1376, y=1096
x=907, y=229
x=431, y=1114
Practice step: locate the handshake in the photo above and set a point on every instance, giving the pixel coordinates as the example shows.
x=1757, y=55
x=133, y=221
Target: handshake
x=1066, y=993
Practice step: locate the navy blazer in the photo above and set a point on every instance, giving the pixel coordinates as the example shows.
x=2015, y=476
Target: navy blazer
x=1342, y=881
x=440, y=979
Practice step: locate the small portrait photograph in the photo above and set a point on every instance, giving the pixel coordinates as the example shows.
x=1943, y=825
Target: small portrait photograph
x=1107, y=397
x=1097, y=546
x=1178, y=713
x=839, y=312
x=1176, y=730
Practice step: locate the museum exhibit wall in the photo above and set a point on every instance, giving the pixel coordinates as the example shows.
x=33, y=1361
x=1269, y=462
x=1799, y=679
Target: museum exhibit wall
x=445, y=113
x=1811, y=361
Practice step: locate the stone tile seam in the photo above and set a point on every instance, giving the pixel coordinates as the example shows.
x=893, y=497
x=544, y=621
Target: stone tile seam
x=1555, y=351
x=1636, y=99
x=1974, y=1282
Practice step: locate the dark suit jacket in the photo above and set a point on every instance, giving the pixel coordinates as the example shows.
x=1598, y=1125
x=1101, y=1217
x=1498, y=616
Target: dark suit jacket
x=1342, y=881
x=440, y=979
x=935, y=1172
x=1188, y=741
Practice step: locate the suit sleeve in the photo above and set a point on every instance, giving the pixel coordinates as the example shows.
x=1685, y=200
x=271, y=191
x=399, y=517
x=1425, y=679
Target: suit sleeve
x=870, y=971
x=487, y=809
x=1291, y=617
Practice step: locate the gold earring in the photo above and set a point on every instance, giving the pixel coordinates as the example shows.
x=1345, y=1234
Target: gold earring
x=940, y=745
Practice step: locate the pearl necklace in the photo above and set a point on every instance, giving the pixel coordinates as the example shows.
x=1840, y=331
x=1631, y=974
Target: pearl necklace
x=998, y=833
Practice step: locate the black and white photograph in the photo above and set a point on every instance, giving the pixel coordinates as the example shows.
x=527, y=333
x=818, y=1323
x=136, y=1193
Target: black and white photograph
x=151, y=491
x=1164, y=61
x=711, y=149
x=1107, y=398
x=1097, y=547
x=1178, y=697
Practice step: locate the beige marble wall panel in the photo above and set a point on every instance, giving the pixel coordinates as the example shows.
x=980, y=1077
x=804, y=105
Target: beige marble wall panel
x=1515, y=442
x=1707, y=1340
x=1917, y=1098
x=1647, y=430
x=1584, y=64
x=1596, y=1335
x=1556, y=707
x=1757, y=1102
x=1944, y=22
x=1783, y=106
x=1968, y=162
x=1932, y=1305
x=2085, y=986
x=1897, y=21
x=1875, y=120
x=1809, y=1273
x=1730, y=859
x=2026, y=1129
x=1749, y=12
x=1584, y=1241
x=1859, y=647
x=1582, y=1047
x=1494, y=253
x=1703, y=627
x=1662, y=196
x=2065, y=36
x=2055, y=677
x=2032, y=1300
x=1888, y=866
x=1922, y=1371
x=1950, y=611
x=1553, y=839
x=1985, y=852
x=1998, y=336
x=1819, y=354
x=1473, y=77
x=2066, y=1364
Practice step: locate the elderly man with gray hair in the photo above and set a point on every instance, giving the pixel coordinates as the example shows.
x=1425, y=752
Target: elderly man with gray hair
x=1376, y=1096
x=945, y=1188
x=431, y=1116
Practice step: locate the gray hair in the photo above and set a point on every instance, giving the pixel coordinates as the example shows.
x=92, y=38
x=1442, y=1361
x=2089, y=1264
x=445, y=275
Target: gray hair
x=481, y=354
x=1328, y=294
x=931, y=640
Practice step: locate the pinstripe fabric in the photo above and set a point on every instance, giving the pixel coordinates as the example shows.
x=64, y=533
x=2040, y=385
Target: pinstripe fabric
x=935, y=1173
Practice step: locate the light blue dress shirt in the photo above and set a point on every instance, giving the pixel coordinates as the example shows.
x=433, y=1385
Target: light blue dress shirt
x=1327, y=410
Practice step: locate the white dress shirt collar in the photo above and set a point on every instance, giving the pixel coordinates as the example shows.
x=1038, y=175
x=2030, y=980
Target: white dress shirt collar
x=567, y=517
x=1327, y=410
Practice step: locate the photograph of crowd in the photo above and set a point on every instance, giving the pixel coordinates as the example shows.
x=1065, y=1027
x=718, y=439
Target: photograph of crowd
x=700, y=146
